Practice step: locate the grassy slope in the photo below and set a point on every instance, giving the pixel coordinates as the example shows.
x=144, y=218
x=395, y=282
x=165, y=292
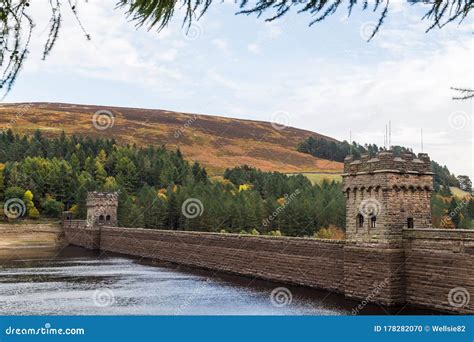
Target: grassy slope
x=317, y=178
x=458, y=192
x=216, y=142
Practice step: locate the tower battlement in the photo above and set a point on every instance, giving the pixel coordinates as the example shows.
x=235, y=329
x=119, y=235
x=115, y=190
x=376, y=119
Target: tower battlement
x=386, y=161
x=102, y=198
x=385, y=194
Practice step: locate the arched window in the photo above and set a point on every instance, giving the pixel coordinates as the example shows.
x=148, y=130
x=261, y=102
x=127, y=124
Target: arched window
x=101, y=218
x=107, y=218
x=410, y=223
x=373, y=221
x=360, y=221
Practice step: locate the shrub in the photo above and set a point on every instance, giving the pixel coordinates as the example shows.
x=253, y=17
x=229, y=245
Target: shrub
x=74, y=209
x=14, y=192
x=275, y=233
x=52, y=208
x=33, y=213
x=255, y=232
x=331, y=232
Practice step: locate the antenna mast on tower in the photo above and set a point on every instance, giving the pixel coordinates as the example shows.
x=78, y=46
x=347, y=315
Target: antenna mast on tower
x=389, y=135
x=350, y=142
x=421, y=140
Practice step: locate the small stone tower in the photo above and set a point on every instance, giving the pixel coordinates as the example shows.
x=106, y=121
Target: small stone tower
x=102, y=209
x=385, y=194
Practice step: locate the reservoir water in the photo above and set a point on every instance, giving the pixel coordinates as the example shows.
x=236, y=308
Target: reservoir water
x=75, y=281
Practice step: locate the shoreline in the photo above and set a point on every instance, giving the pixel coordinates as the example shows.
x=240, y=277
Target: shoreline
x=26, y=235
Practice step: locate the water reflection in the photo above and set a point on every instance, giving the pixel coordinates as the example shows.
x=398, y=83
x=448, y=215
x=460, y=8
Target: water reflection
x=74, y=281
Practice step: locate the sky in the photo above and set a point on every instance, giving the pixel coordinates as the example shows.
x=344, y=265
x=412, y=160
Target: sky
x=325, y=78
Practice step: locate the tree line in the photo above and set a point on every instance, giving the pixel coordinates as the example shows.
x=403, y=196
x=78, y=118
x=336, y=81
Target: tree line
x=337, y=151
x=452, y=212
x=155, y=184
x=49, y=175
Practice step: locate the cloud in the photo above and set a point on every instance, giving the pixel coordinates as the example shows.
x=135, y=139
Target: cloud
x=221, y=44
x=327, y=77
x=117, y=50
x=254, y=48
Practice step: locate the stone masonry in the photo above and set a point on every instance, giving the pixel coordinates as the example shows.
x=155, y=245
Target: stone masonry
x=102, y=208
x=391, y=256
x=385, y=194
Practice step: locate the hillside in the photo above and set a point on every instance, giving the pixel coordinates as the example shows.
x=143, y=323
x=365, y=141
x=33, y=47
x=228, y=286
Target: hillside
x=216, y=142
x=458, y=193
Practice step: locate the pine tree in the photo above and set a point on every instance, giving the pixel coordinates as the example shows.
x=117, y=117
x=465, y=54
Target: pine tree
x=100, y=173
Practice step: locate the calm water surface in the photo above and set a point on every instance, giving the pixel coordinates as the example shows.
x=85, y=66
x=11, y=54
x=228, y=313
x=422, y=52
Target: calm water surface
x=75, y=281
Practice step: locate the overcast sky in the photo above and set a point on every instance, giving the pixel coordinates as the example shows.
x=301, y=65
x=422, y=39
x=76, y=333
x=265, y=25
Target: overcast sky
x=327, y=78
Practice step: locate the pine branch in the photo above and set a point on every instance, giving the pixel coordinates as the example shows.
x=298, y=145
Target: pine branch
x=465, y=93
x=16, y=27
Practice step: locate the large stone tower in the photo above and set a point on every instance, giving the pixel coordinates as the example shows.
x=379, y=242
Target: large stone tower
x=102, y=208
x=384, y=195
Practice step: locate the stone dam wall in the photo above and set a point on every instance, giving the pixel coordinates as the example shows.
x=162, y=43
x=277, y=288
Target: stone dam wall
x=422, y=272
x=437, y=262
x=78, y=234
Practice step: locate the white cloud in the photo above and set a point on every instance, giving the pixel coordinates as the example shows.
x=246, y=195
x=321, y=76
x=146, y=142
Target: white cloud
x=327, y=77
x=254, y=48
x=221, y=44
x=273, y=30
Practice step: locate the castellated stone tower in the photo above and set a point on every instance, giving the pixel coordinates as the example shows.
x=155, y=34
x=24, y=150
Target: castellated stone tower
x=385, y=194
x=102, y=209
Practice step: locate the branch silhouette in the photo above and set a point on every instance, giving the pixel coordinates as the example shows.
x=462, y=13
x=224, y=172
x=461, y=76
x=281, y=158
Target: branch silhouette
x=17, y=25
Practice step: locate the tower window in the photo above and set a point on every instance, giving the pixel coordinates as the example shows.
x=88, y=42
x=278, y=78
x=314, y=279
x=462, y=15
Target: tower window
x=107, y=218
x=410, y=223
x=101, y=218
x=360, y=221
x=373, y=220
